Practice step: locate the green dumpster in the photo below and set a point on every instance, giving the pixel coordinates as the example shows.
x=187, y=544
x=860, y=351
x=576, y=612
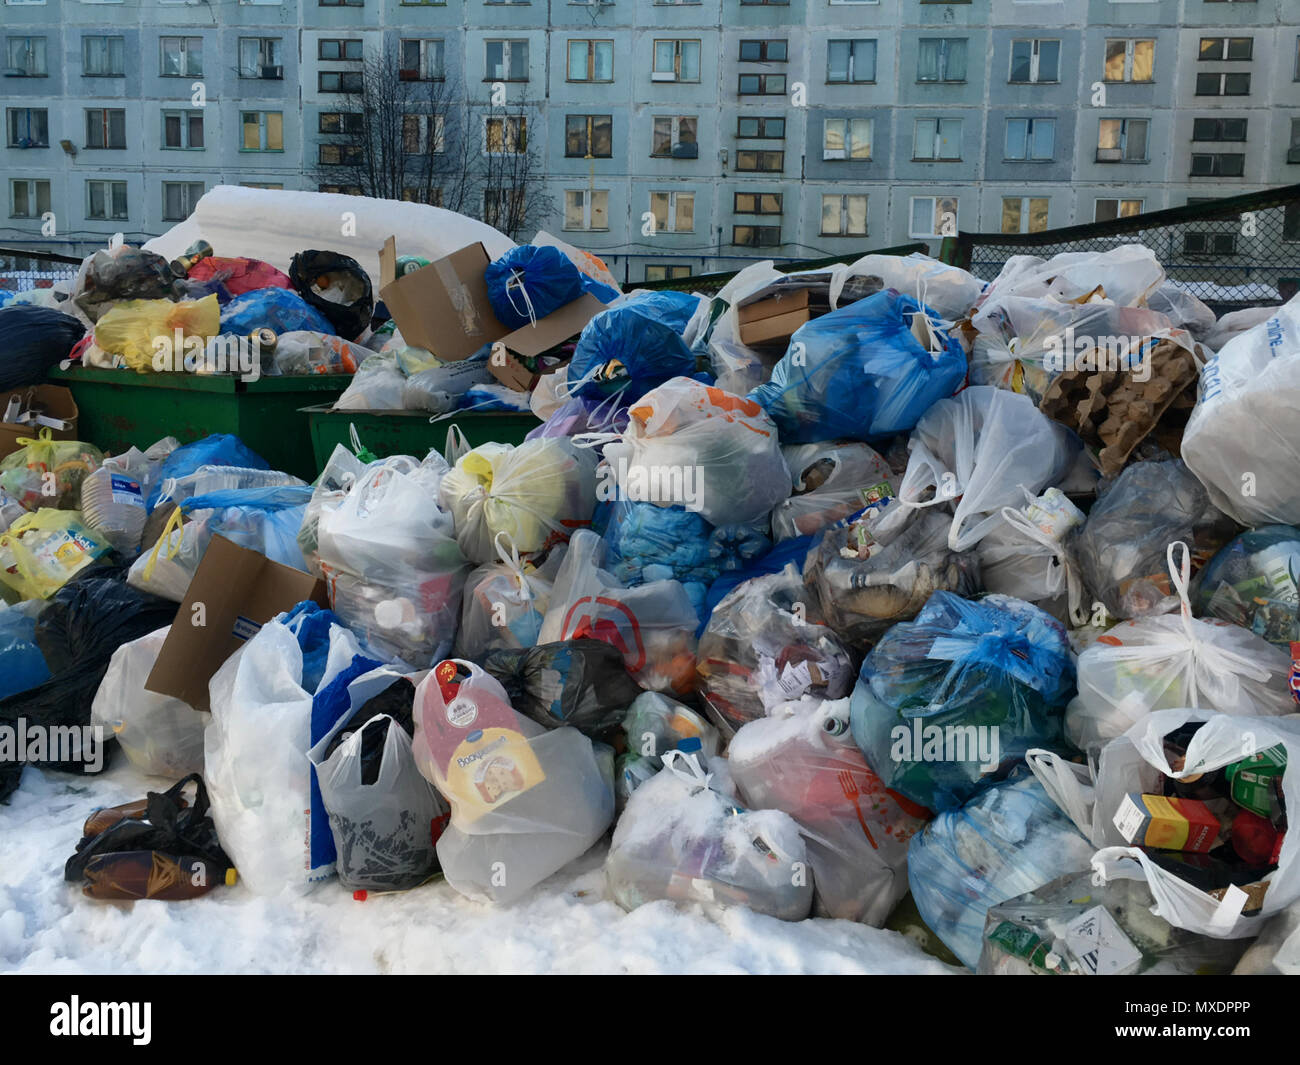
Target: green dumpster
x=403, y=432
x=119, y=408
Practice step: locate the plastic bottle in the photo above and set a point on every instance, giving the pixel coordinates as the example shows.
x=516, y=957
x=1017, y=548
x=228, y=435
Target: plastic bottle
x=107, y=816
x=152, y=875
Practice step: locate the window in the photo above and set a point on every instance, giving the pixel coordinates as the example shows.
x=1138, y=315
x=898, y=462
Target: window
x=432, y=197
x=340, y=81
x=844, y=215
x=1122, y=140
x=674, y=212
x=1223, y=84
x=423, y=134
x=666, y=271
x=182, y=57
x=588, y=136
x=26, y=55
x=341, y=3
x=850, y=61
x=29, y=127
x=338, y=49
x=1295, y=76
x=103, y=57
x=941, y=59
x=1227, y=47
x=1031, y=138
x=501, y=207
x=342, y=154
x=345, y=190
x=1109, y=210
x=933, y=216
x=846, y=138
x=764, y=51
x=1024, y=214
x=937, y=138
x=106, y=128
x=179, y=199
x=505, y=135
x=28, y=198
x=1216, y=244
x=586, y=209
x=757, y=202
x=182, y=129
x=674, y=137
x=761, y=85
x=761, y=128
x=1293, y=153
x=1130, y=60
x=756, y=236
x=767, y=162
x=263, y=131
x=506, y=60
x=752, y=3
x=1034, y=62
x=1218, y=164
x=261, y=184
x=422, y=60
x=341, y=122
x=105, y=199
x=1218, y=129
x=591, y=61
x=676, y=61
x=261, y=57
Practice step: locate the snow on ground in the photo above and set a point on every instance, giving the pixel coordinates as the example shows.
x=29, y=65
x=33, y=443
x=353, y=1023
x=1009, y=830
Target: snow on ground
x=567, y=925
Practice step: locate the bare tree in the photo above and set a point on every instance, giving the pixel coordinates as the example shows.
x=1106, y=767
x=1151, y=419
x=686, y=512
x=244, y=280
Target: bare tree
x=510, y=169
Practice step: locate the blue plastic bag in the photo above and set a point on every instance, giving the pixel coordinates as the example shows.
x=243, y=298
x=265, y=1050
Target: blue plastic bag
x=265, y=520
x=943, y=701
x=220, y=449
x=634, y=347
x=529, y=282
x=641, y=535
x=279, y=309
x=1009, y=840
x=859, y=373
x=22, y=666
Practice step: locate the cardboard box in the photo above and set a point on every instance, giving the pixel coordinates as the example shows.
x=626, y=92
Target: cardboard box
x=1167, y=823
x=444, y=307
x=240, y=591
x=55, y=400
x=779, y=302
x=777, y=327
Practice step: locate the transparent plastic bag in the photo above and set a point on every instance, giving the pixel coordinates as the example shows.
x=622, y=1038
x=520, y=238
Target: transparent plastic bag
x=377, y=385
x=302, y=352
x=41, y=552
x=1254, y=582
x=132, y=329
x=1027, y=557
x=831, y=481
x=505, y=602
x=45, y=472
x=341, y=471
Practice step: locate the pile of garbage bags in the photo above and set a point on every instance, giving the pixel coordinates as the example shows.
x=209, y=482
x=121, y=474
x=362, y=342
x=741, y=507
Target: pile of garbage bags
x=893, y=619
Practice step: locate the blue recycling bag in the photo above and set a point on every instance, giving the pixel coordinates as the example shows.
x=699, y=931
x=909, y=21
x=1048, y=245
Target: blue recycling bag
x=220, y=449
x=859, y=373
x=634, y=347
x=279, y=309
x=529, y=282
x=266, y=520
x=22, y=665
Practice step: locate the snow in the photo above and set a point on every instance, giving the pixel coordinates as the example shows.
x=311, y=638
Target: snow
x=567, y=925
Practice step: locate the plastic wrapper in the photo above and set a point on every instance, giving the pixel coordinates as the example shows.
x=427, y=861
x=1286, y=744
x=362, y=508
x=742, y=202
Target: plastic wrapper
x=239, y=275
x=633, y=346
x=1121, y=549
x=1007, y=841
x=1126, y=274
x=505, y=602
x=1276, y=950
x=1183, y=309
x=1168, y=661
x=714, y=453
x=648, y=542
x=863, y=372
x=655, y=725
x=377, y=385
x=1072, y=927
x=803, y=761
x=34, y=339
x=863, y=586
x=537, y=494
x=280, y=310
x=134, y=330
x=10, y=510
x=979, y=452
x=112, y=504
x=682, y=840
x=1254, y=582
x=219, y=449
x=337, y=287
x=304, y=352
x=525, y=801
x=582, y=683
x=765, y=645
x=831, y=481
x=160, y=735
x=530, y=282
x=439, y=388
x=119, y=273
x=942, y=703
x=45, y=472
x=41, y=552
x=948, y=290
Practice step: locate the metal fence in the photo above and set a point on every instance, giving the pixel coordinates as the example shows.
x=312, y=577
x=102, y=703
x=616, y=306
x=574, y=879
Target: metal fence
x=1240, y=251
x=710, y=284
x=23, y=270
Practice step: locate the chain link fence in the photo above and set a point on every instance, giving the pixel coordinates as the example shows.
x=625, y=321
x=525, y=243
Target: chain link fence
x=1241, y=251
x=24, y=270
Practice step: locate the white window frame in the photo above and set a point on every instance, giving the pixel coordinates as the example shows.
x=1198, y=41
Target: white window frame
x=509, y=46
x=11, y=141
x=676, y=73
x=1124, y=133
x=588, y=196
x=431, y=58
x=86, y=38
x=671, y=210
x=675, y=134
x=263, y=51
x=187, y=197
x=32, y=51
x=33, y=196
x=1119, y=202
x=432, y=128
x=937, y=142
x=852, y=42
x=185, y=52
x=846, y=153
x=1029, y=156
x=944, y=43
x=1025, y=210
x=933, y=214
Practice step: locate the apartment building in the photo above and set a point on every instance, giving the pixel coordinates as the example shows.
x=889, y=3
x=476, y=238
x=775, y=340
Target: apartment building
x=671, y=136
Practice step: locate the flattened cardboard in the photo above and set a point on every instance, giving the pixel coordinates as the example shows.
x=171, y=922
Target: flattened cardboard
x=241, y=591
x=55, y=400
x=778, y=327
x=509, y=371
x=780, y=302
x=557, y=327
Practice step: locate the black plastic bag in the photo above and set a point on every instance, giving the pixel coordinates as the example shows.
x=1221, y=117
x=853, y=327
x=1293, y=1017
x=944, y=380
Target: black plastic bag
x=130, y=274
x=33, y=339
x=396, y=701
x=582, y=683
x=350, y=301
x=85, y=622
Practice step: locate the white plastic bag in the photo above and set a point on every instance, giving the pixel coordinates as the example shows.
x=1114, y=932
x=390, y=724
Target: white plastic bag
x=831, y=481
x=1175, y=660
x=949, y=291
x=1026, y=557
x=159, y=735
x=505, y=602
x=377, y=385
x=341, y=471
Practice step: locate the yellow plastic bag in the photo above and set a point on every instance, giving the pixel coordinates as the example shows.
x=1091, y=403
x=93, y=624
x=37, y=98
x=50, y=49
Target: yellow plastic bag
x=41, y=552
x=152, y=335
x=45, y=472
